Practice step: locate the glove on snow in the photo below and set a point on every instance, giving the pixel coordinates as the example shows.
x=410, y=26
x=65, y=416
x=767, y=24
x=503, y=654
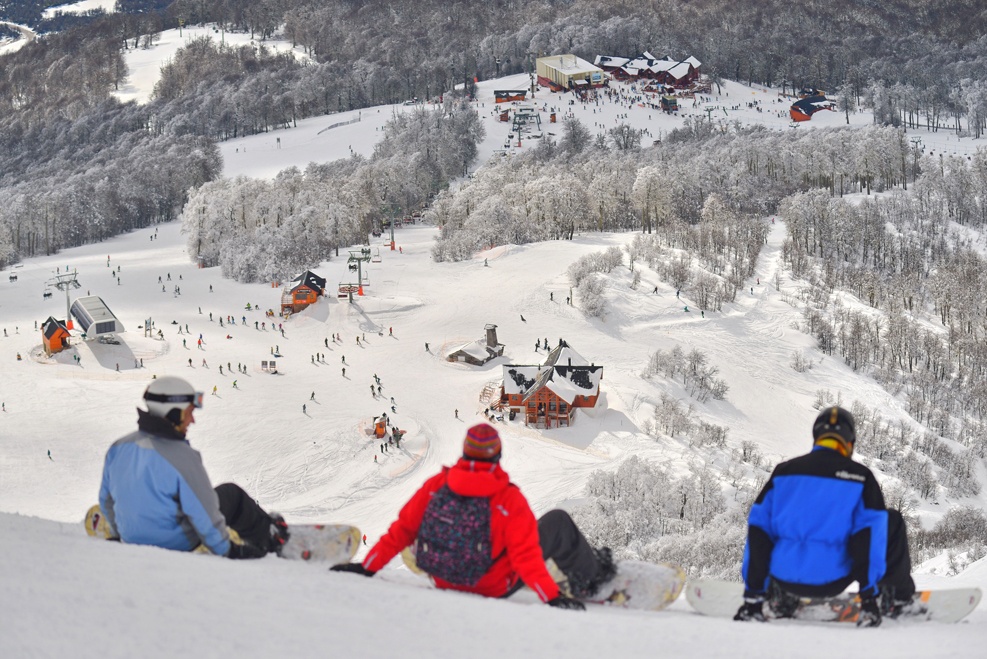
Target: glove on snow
x=563, y=602
x=246, y=550
x=279, y=533
x=355, y=568
x=870, y=612
x=752, y=609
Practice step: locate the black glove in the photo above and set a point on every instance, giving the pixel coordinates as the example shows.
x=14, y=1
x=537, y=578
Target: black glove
x=752, y=609
x=245, y=550
x=279, y=533
x=563, y=602
x=870, y=612
x=355, y=568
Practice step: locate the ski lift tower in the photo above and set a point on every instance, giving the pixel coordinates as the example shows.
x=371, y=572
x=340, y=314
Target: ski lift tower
x=66, y=282
x=356, y=261
x=392, y=214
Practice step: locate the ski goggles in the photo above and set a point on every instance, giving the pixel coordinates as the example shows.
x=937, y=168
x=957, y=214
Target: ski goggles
x=194, y=398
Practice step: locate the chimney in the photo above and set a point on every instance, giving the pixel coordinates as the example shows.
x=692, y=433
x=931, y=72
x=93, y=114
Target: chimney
x=491, y=335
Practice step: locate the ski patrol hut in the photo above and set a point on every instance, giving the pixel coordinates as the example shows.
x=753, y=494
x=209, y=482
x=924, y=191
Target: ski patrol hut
x=563, y=72
x=481, y=351
x=94, y=317
x=303, y=290
x=55, y=336
x=549, y=394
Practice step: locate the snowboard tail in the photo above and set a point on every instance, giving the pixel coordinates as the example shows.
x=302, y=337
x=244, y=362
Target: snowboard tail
x=723, y=598
x=317, y=543
x=640, y=585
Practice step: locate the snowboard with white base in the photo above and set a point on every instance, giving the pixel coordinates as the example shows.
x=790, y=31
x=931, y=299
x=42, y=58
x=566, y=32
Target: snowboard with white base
x=722, y=599
x=318, y=543
x=321, y=543
x=637, y=584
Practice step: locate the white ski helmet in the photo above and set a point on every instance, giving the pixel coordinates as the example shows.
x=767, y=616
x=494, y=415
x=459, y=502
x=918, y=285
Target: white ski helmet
x=167, y=396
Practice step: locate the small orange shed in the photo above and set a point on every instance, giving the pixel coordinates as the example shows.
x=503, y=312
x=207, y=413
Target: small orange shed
x=55, y=335
x=305, y=289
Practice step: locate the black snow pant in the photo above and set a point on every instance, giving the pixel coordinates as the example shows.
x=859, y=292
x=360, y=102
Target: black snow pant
x=563, y=542
x=897, y=579
x=244, y=515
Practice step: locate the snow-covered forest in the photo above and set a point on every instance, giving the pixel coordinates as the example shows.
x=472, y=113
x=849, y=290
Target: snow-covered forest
x=60, y=126
x=268, y=230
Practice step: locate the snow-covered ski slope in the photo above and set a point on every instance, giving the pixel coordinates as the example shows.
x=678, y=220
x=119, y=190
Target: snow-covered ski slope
x=68, y=595
x=335, y=136
x=319, y=465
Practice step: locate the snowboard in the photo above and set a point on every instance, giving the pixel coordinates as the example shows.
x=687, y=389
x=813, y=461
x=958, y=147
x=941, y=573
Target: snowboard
x=318, y=543
x=322, y=543
x=723, y=598
x=637, y=585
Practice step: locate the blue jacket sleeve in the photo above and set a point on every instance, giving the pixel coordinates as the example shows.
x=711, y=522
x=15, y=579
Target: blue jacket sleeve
x=106, y=500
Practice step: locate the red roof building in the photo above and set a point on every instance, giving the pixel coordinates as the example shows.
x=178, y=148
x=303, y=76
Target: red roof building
x=549, y=394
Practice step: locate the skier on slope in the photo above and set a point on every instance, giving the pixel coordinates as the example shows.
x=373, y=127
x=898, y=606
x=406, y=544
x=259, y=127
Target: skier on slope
x=519, y=545
x=819, y=524
x=155, y=490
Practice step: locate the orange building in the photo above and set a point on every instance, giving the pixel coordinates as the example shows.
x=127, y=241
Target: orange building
x=55, y=335
x=305, y=289
x=549, y=394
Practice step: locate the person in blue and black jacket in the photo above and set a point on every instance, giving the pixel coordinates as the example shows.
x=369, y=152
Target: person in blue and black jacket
x=820, y=524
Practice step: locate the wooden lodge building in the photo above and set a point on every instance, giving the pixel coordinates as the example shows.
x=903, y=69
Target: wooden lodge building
x=549, y=394
x=305, y=289
x=663, y=71
x=510, y=95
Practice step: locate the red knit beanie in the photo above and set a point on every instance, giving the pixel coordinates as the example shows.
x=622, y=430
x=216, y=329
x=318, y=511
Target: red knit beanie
x=482, y=443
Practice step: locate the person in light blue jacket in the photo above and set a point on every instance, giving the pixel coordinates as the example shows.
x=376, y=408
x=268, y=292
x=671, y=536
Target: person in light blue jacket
x=155, y=489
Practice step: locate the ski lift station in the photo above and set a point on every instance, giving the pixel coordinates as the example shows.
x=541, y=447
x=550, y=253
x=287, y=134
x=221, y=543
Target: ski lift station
x=94, y=317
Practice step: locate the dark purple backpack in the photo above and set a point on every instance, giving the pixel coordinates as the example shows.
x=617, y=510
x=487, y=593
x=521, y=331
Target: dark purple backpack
x=454, y=538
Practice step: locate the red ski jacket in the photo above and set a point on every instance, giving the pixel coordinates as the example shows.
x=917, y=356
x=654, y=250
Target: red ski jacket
x=513, y=530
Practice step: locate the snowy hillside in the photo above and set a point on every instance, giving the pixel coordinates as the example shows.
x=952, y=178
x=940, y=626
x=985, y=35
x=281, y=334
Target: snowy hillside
x=61, y=585
x=67, y=595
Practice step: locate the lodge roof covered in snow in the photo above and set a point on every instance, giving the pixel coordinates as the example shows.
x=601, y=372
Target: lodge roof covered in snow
x=647, y=62
x=481, y=351
x=310, y=280
x=564, y=372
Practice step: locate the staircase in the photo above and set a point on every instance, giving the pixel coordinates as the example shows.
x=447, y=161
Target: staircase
x=490, y=396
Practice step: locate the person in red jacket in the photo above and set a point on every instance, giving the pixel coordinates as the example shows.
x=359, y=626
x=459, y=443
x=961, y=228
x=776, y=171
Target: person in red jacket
x=519, y=545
